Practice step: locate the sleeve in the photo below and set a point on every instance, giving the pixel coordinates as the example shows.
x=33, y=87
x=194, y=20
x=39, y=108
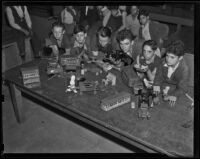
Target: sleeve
x=158, y=80
x=182, y=85
x=27, y=17
x=11, y=19
x=106, y=18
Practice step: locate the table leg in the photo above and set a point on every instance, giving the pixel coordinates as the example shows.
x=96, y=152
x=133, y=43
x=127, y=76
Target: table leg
x=16, y=98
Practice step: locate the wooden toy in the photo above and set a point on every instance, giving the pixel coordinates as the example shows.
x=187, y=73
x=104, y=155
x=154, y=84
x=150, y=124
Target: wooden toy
x=115, y=101
x=31, y=77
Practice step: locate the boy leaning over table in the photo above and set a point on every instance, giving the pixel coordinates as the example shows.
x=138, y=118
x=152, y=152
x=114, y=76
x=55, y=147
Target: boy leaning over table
x=171, y=78
x=81, y=43
x=59, y=41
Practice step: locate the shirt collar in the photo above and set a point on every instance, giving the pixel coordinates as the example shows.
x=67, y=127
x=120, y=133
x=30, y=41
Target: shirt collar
x=173, y=68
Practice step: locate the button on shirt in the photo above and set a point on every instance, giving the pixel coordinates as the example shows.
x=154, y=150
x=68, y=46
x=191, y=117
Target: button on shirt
x=171, y=70
x=145, y=32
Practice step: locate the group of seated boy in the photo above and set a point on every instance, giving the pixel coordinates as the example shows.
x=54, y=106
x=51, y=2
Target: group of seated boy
x=167, y=74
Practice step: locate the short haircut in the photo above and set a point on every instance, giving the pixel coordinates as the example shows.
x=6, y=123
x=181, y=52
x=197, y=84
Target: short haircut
x=58, y=24
x=151, y=43
x=143, y=12
x=104, y=32
x=79, y=28
x=125, y=34
x=176, y=47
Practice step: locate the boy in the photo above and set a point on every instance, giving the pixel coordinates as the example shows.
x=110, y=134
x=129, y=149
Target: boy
x=147, y=63
x=132, y=21
x=19, y=19
x=102, y=43
x=128, y=44
x=80, y=42
x=58, y=41
x=151, y=30
x=171, y=77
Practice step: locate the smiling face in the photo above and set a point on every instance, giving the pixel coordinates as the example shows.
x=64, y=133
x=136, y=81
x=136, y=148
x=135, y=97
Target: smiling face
x=172, y=59
x=126, y=45
x=58, y=32
x=80, y=37
x=148, y=53
x=144, y=19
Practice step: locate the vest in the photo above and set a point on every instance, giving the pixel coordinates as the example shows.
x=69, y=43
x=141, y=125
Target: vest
x=18, y=20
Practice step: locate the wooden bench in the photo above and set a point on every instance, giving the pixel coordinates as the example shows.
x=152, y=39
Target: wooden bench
x=171, y=19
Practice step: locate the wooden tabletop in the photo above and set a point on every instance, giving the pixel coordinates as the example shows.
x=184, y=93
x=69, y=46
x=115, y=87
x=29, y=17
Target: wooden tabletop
x=164, y=132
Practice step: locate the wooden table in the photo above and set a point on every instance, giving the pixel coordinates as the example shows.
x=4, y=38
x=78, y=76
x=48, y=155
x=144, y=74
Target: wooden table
x=163, y=133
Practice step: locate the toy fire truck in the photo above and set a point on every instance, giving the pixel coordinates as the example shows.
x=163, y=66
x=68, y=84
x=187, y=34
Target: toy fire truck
x=143, y=106
x=31, y=77
x=70, y=63
x=115, y=101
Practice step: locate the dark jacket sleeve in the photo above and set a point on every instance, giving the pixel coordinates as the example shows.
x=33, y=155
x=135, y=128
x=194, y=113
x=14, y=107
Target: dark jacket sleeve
x=182, y=77
x=158, y=81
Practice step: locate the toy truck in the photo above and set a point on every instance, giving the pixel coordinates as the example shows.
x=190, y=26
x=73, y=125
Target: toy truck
x=143, y=104
x=115, y=101
x=31, y=77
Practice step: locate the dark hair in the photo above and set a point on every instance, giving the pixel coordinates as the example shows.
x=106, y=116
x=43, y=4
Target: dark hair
x=104, y=32
x=176, y=47
x=79, y=28
x=150, y=43
x=58, y=24
x=125, y=34
x=113, y=7
x=143, y=12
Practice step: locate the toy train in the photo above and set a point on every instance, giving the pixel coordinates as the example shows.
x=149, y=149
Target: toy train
x=115, y=101
x=31, y=77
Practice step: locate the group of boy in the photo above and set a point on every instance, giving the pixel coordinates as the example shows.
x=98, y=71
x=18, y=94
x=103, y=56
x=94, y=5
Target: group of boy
x=167, y=75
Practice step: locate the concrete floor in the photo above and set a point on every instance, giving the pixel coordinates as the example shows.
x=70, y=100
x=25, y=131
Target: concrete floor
x=46, y=132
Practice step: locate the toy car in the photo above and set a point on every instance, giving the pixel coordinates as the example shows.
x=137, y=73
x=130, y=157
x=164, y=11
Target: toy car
x=143, y=111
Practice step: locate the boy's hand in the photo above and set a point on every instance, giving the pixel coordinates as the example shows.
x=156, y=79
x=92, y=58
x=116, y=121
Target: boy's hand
x=137, y=65
x=156, y=90
x=172, y=100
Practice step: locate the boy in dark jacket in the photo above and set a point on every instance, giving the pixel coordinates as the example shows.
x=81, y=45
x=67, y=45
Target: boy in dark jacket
x=171, y=78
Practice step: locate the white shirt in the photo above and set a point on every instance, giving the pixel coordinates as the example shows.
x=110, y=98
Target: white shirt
x=171, y=70
x=19, y=10
x=145, y=32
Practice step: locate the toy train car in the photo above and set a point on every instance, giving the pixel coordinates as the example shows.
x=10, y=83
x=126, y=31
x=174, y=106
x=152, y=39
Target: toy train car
x=115, y=101
x=69, y=61
x=31, y=77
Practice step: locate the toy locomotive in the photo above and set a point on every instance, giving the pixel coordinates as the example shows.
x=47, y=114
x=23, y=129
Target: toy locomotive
x=115, y=101
x=31, y=77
